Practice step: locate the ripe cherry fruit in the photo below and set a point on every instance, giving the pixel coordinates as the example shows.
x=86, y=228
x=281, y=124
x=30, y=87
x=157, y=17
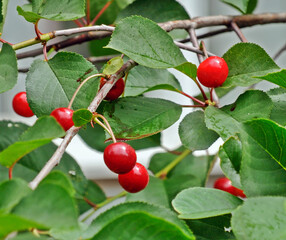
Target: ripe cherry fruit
x=135, y=180
x=64, y=117
x=21, y=106
x=224, y=184
x=115, y=91
x=119, y=157
x=212, y=72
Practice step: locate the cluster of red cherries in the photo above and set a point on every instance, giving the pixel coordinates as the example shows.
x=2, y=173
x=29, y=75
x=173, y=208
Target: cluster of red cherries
x=119, y=157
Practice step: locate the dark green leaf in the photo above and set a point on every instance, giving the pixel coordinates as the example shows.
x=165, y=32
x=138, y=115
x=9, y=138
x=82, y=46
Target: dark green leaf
x=156, y=11
x=246, y=61
x=11, y=192
x=278, y=97
x=194, y=134
x=142, y=79
x=278, y=78
x=196, y=203
x=244, y=6
x=50, y=205
x=66, y=10
x=146, y=43
x=260, y=218
x=57, y=80
x=81, y=117
x=42, y=132
x=95, y=138
x=189, y=69
x=8, y=67
x=212, y=228
x=149, y=116
x=139, y=220
x=113, y=65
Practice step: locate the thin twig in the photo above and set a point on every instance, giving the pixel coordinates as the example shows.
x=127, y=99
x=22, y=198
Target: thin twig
x=192, y=49
x=71, y=31
x=280, y=52
x=204, y=49
x=55, y=159
x=195, y=43
x=238, y=32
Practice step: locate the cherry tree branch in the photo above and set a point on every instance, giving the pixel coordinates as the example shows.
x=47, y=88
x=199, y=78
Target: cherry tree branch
x=55, y=159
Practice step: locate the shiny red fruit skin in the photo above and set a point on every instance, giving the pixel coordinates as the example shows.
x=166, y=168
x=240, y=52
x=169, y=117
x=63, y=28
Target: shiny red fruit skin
x=21, y=106
x=64, y=117
x=212, y=72
x=119, y=157
x=135, y=180
x=224, y=184
x=115, y=91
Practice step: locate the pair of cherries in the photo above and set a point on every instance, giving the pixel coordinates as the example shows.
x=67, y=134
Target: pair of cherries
x=121, y=158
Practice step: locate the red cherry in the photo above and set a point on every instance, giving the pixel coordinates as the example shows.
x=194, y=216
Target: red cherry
x=212, y=72
x=135, y=180
x=224, y=184
x=115, y=91
x=119, y=157
x=21, y=106
x=64, y=117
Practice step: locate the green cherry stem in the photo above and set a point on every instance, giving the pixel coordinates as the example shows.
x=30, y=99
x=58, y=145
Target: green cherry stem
x=82, y=83
x=163, y=173
x=107, y=126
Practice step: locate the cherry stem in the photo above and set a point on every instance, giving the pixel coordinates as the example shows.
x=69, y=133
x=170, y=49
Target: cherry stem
x=211, y=94
x=88, y=11
x=3, y=41
x=202, y=90
x=101, y=12
x=194, y=106
x=84, y=21
x=164, y=172
x=45, y=51
x=90, y=203
x=238, y=32
x=78, y=23
x=11, y=171
x=82, y=83
x=109, y=129
x=193, y=98
x=37, y=31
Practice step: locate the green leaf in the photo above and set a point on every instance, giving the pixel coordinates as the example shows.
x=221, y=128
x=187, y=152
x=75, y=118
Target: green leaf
x=149, y=116
x=95, y=138
x=230, y=155
x=246, y=61
x=194, y=134
x=260, y=174
x=196, y=203
x=11, y=223
x=276, y=78
x=155, y=193
x=50, y=205
x=244, y=6
x=188, y=69
x=142, y=79
x=113, y=65
x=141, y=221
x=278, y=97
x=65, y=10
x=146, y=43
x=81, y=117
x=8, y=68
x=212, y=228
x=156, y=11
x=260, y=218
x=42, y=132
x=57, y=80
x=11, y=192
x=30, y=236
x=3, y=7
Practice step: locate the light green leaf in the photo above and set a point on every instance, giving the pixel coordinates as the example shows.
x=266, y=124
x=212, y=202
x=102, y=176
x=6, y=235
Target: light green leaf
x=260, y=218
x=194, y=134
x=246, y=61
x=65, y=10
x=81, y=117
x=146, y=43
x=142, y=79
x=244, y=6
x=57, y=80
x=113, y=65
x=42, y=132
x=11, y=192
x=140, y=220
x=3, y=7
x=149, y=116
x=188, y=69
x=278, y=97
x=196, y=203
x=278, y=78
x=8, y=68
